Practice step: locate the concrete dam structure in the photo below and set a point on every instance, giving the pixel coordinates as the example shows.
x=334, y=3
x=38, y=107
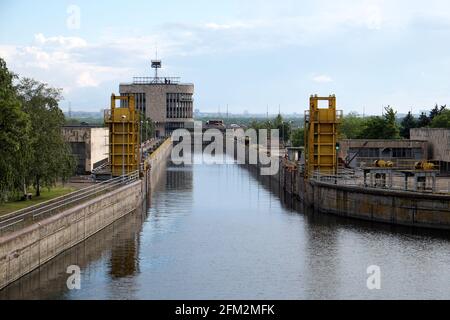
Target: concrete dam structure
x=31, y=246
x=382, y=191
x=389, y=206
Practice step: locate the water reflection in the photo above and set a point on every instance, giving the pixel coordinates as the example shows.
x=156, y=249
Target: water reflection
x=223, y=232
x=114, y=251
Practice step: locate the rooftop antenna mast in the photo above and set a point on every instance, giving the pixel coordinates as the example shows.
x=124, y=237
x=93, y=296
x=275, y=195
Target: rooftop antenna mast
x=156, y=64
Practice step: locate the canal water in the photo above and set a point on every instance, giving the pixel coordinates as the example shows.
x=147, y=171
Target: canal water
x=223, y=232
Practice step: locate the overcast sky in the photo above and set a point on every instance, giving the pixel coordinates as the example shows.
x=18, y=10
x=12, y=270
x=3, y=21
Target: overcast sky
x=247, y=54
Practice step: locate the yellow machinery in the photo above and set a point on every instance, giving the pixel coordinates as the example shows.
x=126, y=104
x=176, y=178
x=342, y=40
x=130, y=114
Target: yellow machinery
x=383, y=164
x=424, y=165
x=321, y=133
x=123, y=136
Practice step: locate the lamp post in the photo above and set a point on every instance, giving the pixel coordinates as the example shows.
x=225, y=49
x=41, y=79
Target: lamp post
x=146, y=130
x=123, y=146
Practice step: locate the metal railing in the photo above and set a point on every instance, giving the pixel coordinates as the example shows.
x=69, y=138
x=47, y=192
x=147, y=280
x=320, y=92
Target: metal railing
x=22, y=218
x=100, y=168
x=407, y=163
x=156, y=80
x=397, y=183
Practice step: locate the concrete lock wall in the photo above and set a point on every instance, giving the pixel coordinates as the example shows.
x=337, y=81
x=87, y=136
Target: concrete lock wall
x=157, y=161
x=25, y=250
x=156, y=164
x=394, y=207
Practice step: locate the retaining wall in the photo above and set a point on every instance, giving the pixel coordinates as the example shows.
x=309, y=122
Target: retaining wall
x=388, y=206
x=23, y=251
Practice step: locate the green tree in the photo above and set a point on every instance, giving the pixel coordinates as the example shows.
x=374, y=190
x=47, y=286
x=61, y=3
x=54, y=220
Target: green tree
x=284, y=128
x=14, y=133
x=385, y=127
x=442, y=120
x=436, y=111
x=148, y=127
x=51, y=157
x=298, y=137
x=391, y=129
x=373, y=128
x=423, y=121
x=408, y=122
x=352, y=126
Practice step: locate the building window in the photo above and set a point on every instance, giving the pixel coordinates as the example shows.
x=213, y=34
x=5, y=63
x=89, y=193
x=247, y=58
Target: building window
x=402, y=153
x=179, y=105
x=139, y=102
x=169, y=127
x=365, y=152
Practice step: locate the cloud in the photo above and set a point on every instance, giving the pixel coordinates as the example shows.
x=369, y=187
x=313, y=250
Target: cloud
x=67, y=42
x=322, y=79
x=361, y=29
x=234, y=25
x=61, y=62
x=85, y=79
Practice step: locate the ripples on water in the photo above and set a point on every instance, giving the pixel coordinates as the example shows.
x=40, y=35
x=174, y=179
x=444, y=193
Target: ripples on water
x=222, y=232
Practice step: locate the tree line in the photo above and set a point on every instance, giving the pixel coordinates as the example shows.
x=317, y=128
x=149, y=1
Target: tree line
x=387, y=126
x=284, y=127
x=32, y=149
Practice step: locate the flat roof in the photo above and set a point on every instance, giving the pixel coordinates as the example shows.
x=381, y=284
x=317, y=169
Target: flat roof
x=155, y=84
x=156, y=81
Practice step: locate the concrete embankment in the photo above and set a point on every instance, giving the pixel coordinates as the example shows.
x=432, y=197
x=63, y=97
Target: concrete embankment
x=406, y=208
x=100, y=245
x=29, y=248
x=23, y=251
x=157, y=162
x=395, y=207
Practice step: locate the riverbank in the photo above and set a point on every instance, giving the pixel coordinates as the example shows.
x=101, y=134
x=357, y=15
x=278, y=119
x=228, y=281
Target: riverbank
x=26, y=249
x=406, y=208
x=46, y=195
